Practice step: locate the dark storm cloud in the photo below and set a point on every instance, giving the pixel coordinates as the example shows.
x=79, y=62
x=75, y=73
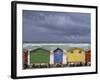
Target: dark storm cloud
x=56, y=26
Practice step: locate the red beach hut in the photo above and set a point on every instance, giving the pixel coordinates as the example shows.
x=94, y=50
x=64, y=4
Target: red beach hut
x=25, y=58
x=88, y=57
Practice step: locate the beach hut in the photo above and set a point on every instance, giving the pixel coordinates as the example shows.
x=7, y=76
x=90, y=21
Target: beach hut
x=39, y=57
x=58, y=56
x=88, y=56
x=75, y=56
x=25, y=58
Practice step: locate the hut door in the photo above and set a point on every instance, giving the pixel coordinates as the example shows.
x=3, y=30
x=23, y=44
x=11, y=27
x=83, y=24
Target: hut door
x=58, y=57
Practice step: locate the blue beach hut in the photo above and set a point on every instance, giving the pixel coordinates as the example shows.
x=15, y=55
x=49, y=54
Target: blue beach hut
x=58, y=56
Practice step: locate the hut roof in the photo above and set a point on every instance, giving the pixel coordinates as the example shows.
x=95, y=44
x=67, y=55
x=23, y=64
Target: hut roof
x=25, y=50
x=88, y=50
x=39, y=49
x=71, y=49
x=58, y=49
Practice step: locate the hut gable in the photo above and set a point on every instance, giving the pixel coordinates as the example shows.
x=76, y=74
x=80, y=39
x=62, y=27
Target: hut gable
x=58, y=49
x=40, y=49
x=75, y=49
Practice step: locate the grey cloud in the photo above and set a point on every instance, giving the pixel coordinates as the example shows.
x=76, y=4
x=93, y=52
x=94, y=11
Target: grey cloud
x=55, y=26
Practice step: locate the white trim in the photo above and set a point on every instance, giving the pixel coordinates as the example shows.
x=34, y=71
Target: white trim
x=51, y=57
x=64, y=57
x=28, y=57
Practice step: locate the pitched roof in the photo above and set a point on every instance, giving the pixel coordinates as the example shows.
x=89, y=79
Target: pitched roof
x=71, y=49
x=40, y=49
x=58, y=49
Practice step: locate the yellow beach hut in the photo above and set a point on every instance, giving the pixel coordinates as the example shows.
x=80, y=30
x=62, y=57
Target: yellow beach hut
x=75, y=56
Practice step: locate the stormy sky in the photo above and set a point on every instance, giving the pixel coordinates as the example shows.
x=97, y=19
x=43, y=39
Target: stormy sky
x=44, y=26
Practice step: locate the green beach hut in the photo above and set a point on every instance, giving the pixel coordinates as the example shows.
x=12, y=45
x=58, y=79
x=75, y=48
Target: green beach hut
x=39, y=56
